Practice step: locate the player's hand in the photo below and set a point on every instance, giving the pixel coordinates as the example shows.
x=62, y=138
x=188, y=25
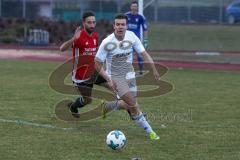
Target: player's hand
x=77, y=33
x=156, y=75
x=112, y=85
x=145, y=43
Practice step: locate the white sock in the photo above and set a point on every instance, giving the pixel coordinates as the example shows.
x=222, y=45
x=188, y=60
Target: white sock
x=143, y=123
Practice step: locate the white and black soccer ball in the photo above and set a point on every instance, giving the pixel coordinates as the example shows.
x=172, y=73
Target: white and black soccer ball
x=116, y=140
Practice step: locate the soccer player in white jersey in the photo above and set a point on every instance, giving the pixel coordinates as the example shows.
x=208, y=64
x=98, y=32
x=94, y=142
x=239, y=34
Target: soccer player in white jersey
x=117, y=51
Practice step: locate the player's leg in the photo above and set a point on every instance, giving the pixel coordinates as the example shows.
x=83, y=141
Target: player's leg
x=112, y=105
x=85, y=90
x=140, y=63
x=109, y=106
x=137, y=115
x=128, y=93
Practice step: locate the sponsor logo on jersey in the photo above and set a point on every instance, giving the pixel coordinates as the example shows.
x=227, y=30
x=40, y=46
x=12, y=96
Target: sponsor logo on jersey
x=132, y=26
x=90, y=51
x=124, y=45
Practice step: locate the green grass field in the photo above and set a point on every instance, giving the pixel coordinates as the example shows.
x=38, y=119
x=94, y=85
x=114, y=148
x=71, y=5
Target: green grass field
x=194, y=37
x=201, y=116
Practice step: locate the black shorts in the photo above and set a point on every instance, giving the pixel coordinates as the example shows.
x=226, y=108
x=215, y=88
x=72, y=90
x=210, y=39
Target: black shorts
x=98, y=80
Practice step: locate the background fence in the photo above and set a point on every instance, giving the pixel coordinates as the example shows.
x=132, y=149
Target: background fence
x=164, y=11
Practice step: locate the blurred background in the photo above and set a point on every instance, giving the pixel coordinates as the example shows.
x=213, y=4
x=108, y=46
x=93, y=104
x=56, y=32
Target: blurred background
x=167, y=11
x=44, y=22
x=198, y=40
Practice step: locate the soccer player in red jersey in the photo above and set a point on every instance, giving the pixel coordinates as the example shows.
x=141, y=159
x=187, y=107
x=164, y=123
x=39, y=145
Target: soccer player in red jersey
x=84, y=45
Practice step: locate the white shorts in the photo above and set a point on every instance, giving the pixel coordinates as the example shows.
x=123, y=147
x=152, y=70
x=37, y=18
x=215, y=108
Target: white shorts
x=125, y=85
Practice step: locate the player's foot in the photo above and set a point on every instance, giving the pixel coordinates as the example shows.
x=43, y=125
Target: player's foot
x=154, y=136
x=73, y=110
x=103, y=109
x=139, y=74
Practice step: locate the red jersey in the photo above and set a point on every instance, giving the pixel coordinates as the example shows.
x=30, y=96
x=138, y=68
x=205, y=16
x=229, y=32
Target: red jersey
x=84, y=51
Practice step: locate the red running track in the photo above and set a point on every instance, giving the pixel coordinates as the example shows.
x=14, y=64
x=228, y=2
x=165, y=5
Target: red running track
x=170, y=64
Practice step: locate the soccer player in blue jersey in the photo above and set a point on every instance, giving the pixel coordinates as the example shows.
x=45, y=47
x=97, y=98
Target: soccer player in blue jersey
x=135, y=22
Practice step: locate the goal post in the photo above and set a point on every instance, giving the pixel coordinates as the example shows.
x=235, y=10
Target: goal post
x=140, y=11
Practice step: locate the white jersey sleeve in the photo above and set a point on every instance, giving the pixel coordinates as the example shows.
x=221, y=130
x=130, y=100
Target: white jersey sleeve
x=101, y=53
x=137, y=45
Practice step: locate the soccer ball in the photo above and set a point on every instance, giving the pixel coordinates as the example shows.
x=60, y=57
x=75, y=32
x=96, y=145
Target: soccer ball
x=116, y=140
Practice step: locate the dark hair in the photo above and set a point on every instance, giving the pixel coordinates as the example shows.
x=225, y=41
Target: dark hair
x=121, y=16
x=134, y=2
x=87, y=14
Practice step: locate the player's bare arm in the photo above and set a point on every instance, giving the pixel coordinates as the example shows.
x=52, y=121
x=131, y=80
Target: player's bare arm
x=102, y=72
x=148, y=59
x=69, y=43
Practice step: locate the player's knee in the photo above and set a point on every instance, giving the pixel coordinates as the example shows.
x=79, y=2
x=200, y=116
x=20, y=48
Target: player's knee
x=122, y=105
x=132, y=103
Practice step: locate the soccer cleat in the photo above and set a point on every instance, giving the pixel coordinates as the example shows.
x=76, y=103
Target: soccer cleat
x=73, y=110
x=103, y=109
x=154, y=136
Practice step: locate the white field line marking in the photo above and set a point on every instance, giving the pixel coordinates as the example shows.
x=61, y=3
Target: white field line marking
x=207, y=53
x=23, y=122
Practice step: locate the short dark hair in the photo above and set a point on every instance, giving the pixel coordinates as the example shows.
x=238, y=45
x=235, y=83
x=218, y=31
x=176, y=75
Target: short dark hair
x=134, y=2
x=87, y=14
x=121, y=16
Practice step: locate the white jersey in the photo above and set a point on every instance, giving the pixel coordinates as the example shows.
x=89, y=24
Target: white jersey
x=119, y=54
